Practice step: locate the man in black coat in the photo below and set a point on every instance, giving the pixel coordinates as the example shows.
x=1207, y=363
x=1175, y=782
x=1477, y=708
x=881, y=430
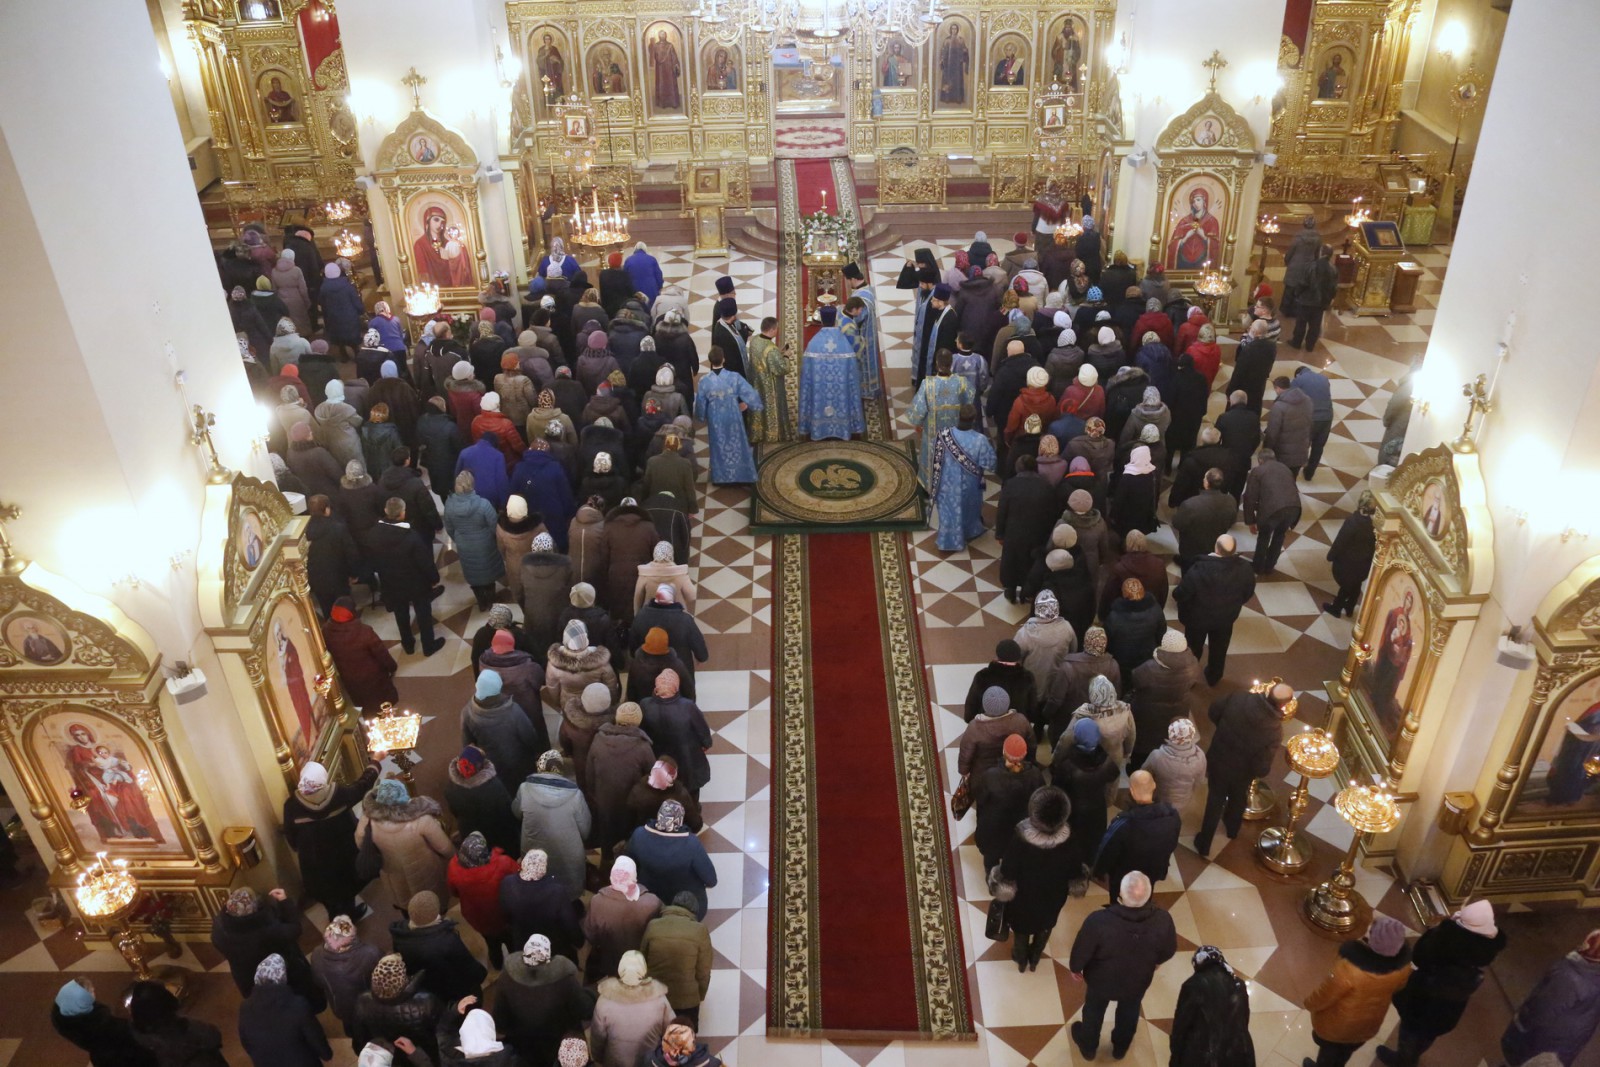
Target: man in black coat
x=430, y=945
x=1203, y=518
x=1210, y=596
x=1252, y=364
x=333, y=561
x=1009, y=378
x=84, y=1021
x=1189, y=478
x=940, y=325
x=249, y=929
x=1351, y=556
x=683, y=633
x=1116, y=953
x=402, y=480
x=1026, y=515
x=731, y=335
x=1249, y=729
x=406, y=570
x=320, y=825
x=439, y=438
x=1142, y=838
x=1007, y=672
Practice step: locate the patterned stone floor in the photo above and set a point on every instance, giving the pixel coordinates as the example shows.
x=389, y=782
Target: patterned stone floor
x=1228, y=902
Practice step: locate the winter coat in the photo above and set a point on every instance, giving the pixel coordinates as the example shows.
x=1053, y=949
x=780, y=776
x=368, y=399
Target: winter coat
x=601, y=630
x=410, y=1015
x=1156, y=360
x=1559, y=1016
x=1117, y=735
x=360, y=508
x=677, y=950
x=415, y=847
x=181, y=1042
x=1352, y=550
x=1133, y=630
x=1252, y=367
x=1134, y=502
x=332, y=558
x=1043, y=645
x=1149, y=568
x=378, y=441
x=514, y=540
x=652, y=575
x=671, y=472
x=342, y=312
x=344, y=977
x=630, y=541
x=320, y=832
x=1289, y=427
x=683, y=633
x=568, y=672
x=506, y=733
x=482, y=803
x=628, y=1022
x=615, y=925
x=983, y=740
x=618, y=757
x=404, y=564
x=278, y=1029
x=1069, y=687
x=517, y=397
x=644, y=801
x=546, y=906
x=1450, y=960
x=1248, y=732
x=366, y=669
x=586, y=546
x=643, y=668
x=1040, y=864
x=1350, y=1004
x=406, y=483
x=535, y=1007
x=488, y=466
x=1015, y=679
x=1141, y=838
x=555, y=818
x=1118, y=949
x=1177, y=769
x=521, y=679
x=290, y=285
x=1214, y=591
x=1000, y=798
x=470, y=521
x=1086, y=778
x=678, y=729
x=246, y=940
x=1010, y=378
x=1270, y=494
x=547, y=582
x=1211, y=1027
x=336, y=427
x=1189, y=479
x=1201, y=519
x=1027, y=512
x=1298, y=258
x=440, y=440
x=108, y=1038
x=673, y=863
x=437, y=953
x=1158, y=694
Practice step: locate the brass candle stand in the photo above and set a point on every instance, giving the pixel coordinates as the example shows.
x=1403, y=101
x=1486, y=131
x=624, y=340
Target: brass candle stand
x=1312, y=754
x=108, y=894
x=394, y=732
x=1213, y=286
x=1262, y=802
x=1334, y=905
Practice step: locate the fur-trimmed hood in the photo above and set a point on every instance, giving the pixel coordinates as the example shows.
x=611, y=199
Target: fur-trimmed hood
x=1046, y=824
x=590, y=659
x=412, y=810
x=485, y=774
x=613, y=989
x=573, y=712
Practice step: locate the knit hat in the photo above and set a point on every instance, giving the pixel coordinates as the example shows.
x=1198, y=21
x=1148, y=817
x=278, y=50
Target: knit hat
x=392, y=792
x=662, y=553
x=1173, y=641
x=597, y=339
x=1064, y=535
x=1008, y=651
x=574, y=1053
x=1150, y=434
x=1106, y=336
x=582, y=595
x=1038, y=377
x=1386, y=936
x=669, y=817
x=1477, y=917
x=1095, y=427
x=423, y=908
x=535, y=862
x=474, y=850
x=241, y=902
x=1182, y=732
x=389, y=977
x=629, y=714
x=1015, y=748
x=490, y=401
x=461, y=371
x=941, y=292
x=1088, y=377
x=489, y=684
x=1046, y=608
x=1094, y=295
x=1079, y=501
x=471, y=760
x=667, y=684
x=1058, y=559
x=272, y=971
x=536, y=950
x=576, y=636
x=633, y=971
x=996, y=701
x=339, y=933
x=313, y=779
x=1102, y=694
x=499, y=616
x=501, y=643
x=655, y=641
x=73, y=999
x=595, y=698
x=1086, y=734
x=1094, y=640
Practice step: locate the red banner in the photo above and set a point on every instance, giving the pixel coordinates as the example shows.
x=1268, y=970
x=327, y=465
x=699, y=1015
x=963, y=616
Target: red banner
x=1297, y=22
x=319, y=36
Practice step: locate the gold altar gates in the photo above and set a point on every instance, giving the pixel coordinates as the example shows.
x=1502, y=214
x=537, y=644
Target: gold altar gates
x=84, y=719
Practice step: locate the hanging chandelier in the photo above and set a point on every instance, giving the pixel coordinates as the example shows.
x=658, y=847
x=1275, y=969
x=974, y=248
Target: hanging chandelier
x=820, y=20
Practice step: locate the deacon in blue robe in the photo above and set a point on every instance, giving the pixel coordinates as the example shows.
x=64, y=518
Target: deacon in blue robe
x=720, y=403
x=937, y=408
x=975, y=369
x=830, y=384
x=861, y=326
x=961, y=457
x=920, y=274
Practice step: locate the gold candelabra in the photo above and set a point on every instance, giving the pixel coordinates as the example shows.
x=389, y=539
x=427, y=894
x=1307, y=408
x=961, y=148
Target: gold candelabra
x=106, y=894
x=596, y=228
x=422, y=300
x=394, y=731
x=1358, y=214
x=337, y=210
x=347, y=244
x=200, y=426
x=1267, y=226
x=1334, y=905
x=1312, y=754
x=1262, y=802
x=1214, y=285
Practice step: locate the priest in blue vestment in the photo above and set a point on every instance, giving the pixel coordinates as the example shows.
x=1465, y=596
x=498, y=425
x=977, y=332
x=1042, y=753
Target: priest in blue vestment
x=719, y=402
x=861, y=326
x=936, y=409
x=830, y=384
x=961, y=457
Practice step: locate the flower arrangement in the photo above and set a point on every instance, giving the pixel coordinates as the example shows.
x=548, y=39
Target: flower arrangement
x=822, y=233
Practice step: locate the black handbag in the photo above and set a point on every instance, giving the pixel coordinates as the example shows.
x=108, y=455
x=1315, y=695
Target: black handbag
x=369, y=861
x=997, y=928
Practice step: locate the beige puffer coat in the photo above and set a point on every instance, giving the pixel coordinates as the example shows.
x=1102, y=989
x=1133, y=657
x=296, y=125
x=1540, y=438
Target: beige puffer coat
x=416, y=850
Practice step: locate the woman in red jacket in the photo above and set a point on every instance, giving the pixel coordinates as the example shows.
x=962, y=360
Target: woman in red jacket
x=474, y=875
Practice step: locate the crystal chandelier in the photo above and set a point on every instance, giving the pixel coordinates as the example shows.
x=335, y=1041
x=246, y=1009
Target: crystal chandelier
x=597, y=228
x=422, y=299
x=820, y=20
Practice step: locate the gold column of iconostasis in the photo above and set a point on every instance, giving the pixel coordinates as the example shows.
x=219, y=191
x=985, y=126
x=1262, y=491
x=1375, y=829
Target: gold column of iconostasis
x=89, y=733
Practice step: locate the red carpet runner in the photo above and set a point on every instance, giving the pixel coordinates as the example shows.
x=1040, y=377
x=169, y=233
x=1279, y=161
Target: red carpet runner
x=864, y=927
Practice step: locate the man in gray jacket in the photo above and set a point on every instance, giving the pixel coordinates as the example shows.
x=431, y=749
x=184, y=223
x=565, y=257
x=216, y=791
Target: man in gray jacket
x=1271, y=508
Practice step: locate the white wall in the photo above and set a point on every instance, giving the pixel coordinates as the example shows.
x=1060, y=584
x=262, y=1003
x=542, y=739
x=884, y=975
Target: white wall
x=1517, y=251
x=109, y=268
x=1167, y=45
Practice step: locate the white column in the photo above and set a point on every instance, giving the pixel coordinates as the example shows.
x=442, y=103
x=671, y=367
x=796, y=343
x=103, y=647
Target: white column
x=451, y=43
x=1168, y=42
x=1519, y=251
x=113, y=291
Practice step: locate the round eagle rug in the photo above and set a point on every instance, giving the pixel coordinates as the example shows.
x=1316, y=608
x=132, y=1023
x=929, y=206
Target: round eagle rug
x=837, y=484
